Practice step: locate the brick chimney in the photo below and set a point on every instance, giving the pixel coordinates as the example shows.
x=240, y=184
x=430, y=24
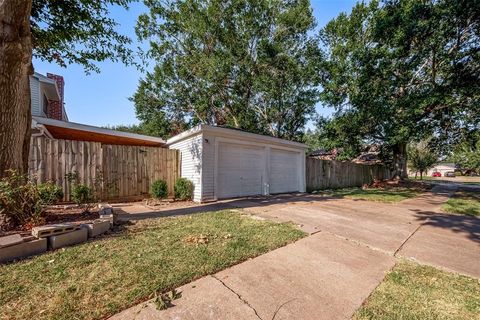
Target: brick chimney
x=55, y=107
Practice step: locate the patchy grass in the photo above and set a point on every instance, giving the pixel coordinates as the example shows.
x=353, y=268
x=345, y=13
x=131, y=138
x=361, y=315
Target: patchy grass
x=103, y=277
x=412, y=291
x=463, y=202
x=390, y=195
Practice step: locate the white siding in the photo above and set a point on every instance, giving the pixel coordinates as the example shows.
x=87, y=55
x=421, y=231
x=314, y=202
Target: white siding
x=191, y=162
x=208, y=168
x=36, y=100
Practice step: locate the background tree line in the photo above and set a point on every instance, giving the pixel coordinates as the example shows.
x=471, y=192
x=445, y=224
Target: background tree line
x=395, y=72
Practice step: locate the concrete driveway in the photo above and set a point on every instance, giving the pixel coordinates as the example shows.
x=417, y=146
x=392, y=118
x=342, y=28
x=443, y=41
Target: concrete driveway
x=414, y=228
x=327, y=275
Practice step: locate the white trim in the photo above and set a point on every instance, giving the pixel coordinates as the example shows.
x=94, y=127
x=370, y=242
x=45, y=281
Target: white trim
x=87, y=128
x=233, y=133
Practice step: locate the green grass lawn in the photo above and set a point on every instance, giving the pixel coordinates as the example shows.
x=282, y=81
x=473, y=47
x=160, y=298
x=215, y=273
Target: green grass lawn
x=463, y=202
x=416, y=292
x=390, y=195
x=105, y=276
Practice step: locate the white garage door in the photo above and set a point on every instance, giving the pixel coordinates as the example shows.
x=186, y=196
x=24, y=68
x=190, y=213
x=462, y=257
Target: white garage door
x=240, y=170
x=284, y=169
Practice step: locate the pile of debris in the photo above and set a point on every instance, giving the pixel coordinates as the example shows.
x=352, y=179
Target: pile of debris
x=55, y=236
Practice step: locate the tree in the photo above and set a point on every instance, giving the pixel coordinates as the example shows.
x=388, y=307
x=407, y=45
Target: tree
x=421, y=158
x=246, y=64
x=404, y=70
x=69, y=31
x=467, y=153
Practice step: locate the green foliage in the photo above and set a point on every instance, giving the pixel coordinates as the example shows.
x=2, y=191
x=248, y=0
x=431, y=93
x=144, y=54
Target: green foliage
x=183, y=189
x=82, y=194
x=159, y=189
x=421, y=158
x=245, y=64
x=20, y=201
x=78, y=31
x=330, y=134
x=467, y=153
x=50, y=193
x=403, y=70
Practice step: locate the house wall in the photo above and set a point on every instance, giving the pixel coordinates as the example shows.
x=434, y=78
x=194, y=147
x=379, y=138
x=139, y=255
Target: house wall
x=35, y=98
x=191, y=155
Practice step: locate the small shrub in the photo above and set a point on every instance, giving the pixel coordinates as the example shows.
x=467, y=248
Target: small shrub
x=159, y=189
x=82, y=194
x=183, y=189
x=20, y=201
x=50, y=193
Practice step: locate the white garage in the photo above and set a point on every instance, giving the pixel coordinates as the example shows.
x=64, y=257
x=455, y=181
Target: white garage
x=226, y=163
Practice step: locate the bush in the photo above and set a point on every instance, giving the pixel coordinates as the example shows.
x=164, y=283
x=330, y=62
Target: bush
x=50, y=193
x=82, y=194
x=20, y=201
x=183, y=189
x=159, y=189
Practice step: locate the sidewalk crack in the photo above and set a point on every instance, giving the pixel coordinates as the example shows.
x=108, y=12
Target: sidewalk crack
x=239, y=296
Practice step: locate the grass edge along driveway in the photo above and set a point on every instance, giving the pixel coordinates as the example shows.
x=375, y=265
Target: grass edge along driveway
x=414, y=291
x=102, y=277
x=463, y=202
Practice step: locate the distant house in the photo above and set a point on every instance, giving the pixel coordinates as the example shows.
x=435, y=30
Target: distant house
x=442, y=167
x=49, y=117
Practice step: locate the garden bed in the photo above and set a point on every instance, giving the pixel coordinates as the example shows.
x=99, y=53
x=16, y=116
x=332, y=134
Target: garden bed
x=55, y=214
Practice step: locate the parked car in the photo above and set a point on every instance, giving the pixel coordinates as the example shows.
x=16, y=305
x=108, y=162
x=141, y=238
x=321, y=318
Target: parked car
x=436, y=174
x=450, y=174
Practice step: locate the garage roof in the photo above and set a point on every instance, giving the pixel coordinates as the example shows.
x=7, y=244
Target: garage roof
x=76, y=131
x=233, y=133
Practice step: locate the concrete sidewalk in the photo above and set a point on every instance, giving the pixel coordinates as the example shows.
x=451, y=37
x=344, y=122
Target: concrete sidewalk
x=318, y=277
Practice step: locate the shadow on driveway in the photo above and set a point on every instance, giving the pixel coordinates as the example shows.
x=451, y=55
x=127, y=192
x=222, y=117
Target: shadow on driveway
x=467, y=225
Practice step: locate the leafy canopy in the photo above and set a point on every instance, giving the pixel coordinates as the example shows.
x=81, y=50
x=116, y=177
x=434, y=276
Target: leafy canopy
x=401, y=71
x=245, y=64
x=78, y=31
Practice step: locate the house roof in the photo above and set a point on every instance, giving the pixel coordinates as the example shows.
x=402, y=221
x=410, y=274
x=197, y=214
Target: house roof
x=75, y=131
x=233, y=133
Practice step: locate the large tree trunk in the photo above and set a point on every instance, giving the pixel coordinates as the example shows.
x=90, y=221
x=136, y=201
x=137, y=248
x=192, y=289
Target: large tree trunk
x=400, y=161
x=15, y=68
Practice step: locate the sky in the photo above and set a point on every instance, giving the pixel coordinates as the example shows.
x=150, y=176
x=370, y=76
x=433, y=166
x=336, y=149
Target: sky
x=101, y=99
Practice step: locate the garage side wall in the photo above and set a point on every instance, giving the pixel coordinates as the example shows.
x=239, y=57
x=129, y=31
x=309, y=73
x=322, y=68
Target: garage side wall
x=208, y=175
x=191, y=150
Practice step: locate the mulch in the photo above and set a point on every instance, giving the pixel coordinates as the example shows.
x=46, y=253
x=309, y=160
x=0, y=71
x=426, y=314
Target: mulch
x=52, y=215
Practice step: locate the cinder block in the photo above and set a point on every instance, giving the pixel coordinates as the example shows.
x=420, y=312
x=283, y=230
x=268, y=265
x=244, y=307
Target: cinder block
x=23, y=250
x=10, y=240
x=53, y=229
x=68, y=239
x=96, y=227
x=109, y=217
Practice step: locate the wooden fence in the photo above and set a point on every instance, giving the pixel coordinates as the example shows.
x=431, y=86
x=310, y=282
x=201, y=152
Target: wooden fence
x=113, y=171
x=327, y=174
